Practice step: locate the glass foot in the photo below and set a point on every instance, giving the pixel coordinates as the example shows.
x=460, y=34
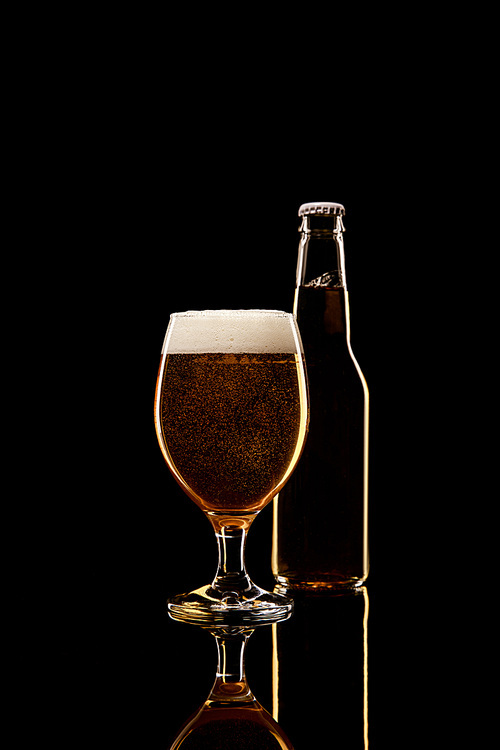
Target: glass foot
x=209, y=606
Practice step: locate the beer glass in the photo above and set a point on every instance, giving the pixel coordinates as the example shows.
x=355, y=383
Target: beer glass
x=231, y=416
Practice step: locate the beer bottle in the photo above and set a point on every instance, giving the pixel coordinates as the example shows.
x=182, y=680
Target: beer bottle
x=320, y=535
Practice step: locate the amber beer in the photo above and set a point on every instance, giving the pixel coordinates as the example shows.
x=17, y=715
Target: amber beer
x=230, y=423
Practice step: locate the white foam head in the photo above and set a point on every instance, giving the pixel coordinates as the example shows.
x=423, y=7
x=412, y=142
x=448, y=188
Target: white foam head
x=232, y=332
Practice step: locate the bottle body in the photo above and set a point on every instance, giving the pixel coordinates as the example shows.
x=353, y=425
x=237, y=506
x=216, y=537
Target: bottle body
x=320, y=535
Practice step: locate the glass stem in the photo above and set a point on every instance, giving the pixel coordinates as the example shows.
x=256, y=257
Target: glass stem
x=231, y=572
x=230, y=682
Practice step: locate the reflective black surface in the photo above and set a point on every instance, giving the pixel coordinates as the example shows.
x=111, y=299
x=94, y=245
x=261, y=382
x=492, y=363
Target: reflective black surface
x=101, y=661
x=315, y=680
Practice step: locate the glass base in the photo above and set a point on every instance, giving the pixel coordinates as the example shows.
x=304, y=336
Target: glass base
x=209, y=606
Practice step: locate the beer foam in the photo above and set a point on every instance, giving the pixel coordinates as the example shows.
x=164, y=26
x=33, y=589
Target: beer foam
x=231, y=332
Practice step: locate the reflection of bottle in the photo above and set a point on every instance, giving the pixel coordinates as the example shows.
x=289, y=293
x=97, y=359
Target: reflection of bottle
x=320, y=534
x=231, y=716
x=320, y=670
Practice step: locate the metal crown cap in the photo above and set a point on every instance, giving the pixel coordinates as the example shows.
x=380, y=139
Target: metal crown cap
x=321, y=208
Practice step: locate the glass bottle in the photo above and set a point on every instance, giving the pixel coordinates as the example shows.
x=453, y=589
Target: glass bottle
x=320, y=529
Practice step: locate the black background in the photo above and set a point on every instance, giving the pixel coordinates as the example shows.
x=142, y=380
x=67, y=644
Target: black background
x=157, y=186
x=112, y=536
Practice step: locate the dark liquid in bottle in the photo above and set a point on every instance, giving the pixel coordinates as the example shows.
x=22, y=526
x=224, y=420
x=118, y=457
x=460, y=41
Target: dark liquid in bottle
x=321, y=539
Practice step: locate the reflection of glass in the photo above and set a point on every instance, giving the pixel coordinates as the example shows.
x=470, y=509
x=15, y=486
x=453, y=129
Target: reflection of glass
x=231, y=716
x=320, y=670
x=231, y=418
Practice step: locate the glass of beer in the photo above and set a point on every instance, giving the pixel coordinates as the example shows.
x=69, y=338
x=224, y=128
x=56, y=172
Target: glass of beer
x=231, y=416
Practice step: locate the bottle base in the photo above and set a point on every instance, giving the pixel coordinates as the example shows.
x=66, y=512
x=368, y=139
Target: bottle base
x=285, y=584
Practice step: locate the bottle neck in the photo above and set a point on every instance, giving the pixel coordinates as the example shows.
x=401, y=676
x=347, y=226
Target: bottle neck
x=321, y=303
x=321, y=253
x=321, y=311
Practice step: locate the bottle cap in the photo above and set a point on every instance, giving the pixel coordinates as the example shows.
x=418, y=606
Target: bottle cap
x=307, y=209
